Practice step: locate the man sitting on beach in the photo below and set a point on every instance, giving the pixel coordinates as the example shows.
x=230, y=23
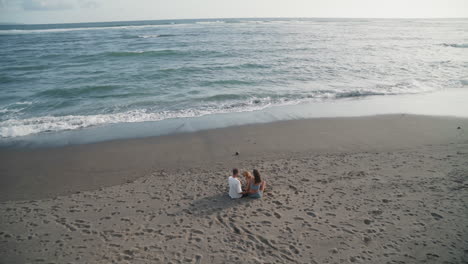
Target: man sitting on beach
x=235, y=189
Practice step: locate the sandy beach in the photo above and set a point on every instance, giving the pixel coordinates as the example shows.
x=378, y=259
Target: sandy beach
x=380, y=189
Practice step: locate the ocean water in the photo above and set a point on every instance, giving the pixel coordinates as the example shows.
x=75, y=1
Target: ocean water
x=67, y=77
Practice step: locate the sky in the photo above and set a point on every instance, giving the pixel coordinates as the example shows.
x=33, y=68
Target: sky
x=72, y=11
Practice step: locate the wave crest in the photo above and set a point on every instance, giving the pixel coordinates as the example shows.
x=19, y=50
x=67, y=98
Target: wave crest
x=156, y=36
x=24, y=127
x=216, y=104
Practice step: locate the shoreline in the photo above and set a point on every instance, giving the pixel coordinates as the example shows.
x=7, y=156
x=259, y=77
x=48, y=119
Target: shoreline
x=445, y=103
x=48, y=172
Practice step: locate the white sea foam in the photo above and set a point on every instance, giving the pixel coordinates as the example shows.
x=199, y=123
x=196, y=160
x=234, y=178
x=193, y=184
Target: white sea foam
x=8, y=110
x=15, y=107
x=149, y=36
x=156, y=36
x=24, y=103
x=22, y=127
x=210, y=22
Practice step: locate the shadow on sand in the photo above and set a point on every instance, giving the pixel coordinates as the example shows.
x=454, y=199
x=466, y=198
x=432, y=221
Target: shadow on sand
x=213, y=204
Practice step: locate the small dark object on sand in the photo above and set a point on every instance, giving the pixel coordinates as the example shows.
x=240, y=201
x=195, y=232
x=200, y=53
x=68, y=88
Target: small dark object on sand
x=237, y=153
x=458, y=127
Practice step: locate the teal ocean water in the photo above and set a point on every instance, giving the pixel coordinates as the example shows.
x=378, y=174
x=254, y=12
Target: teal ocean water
x=66, y=77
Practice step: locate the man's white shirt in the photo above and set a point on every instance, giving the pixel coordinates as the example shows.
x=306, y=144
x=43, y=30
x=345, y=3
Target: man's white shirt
x=235, y=188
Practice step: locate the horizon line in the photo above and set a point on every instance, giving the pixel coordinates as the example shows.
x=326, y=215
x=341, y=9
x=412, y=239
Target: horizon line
x=221, y=18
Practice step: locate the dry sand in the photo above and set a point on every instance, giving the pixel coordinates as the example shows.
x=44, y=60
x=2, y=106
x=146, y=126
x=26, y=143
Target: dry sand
x=384, y=189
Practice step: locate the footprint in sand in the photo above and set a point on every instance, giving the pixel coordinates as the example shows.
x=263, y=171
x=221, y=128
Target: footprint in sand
x=311, y=214
x=436, y=216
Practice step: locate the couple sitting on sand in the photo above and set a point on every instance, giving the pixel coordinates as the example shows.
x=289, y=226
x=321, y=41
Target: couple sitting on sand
x=254, y=186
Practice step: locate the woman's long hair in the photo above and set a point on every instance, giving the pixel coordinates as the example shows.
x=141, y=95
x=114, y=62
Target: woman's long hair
x=257, y=177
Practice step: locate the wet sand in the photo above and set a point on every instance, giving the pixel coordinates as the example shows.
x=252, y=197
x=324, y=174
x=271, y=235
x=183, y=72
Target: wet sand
x=376, y=189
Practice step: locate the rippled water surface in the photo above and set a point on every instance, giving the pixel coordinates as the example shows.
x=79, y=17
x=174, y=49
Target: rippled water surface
x=71, y=76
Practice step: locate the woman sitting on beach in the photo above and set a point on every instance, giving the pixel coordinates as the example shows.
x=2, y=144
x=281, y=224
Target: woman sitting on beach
x=248, y=179
x=255, y=186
